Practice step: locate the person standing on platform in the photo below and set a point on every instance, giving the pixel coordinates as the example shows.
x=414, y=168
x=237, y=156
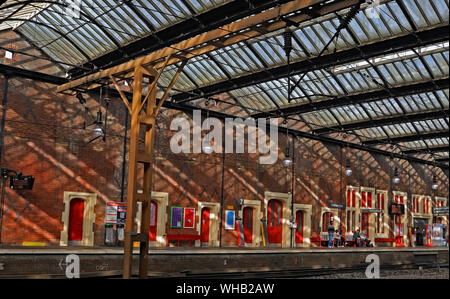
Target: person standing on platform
x=330, y=234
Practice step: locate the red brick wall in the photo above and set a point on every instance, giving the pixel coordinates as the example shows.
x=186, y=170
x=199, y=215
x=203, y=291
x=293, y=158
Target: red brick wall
x=44, y=138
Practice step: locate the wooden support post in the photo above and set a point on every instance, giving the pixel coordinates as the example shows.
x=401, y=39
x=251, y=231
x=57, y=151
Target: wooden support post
x=136, y=157
x=147, y=186
x=132, y=175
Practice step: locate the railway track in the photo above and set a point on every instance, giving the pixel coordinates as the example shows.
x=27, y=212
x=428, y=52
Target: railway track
x=277, y=274
x=300, y=273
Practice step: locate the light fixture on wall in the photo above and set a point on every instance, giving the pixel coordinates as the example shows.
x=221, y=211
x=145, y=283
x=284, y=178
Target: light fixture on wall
x=207, y=148
x=435, y=185
x=98, y=131
x=348, y=170
x=99, y=126
x=207, y=144
x=396, y=178
x=287, y=161
x=287, y=158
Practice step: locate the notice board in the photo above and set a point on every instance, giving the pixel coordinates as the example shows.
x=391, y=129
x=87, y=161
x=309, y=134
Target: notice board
x=189, y=218
x=176, y=217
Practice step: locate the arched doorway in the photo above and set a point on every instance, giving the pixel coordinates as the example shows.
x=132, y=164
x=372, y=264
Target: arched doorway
x=299, y=218
x=248, y=225
x=153, y=221
x=204, y=229
x=76, y=218
x=327, y=217
x=365, y=224
x=274, y=221
x=399, y=224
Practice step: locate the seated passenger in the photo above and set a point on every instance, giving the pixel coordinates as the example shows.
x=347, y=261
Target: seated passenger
x=337, y=238
x=357, y=238
x=341, y=240
x=363, y=239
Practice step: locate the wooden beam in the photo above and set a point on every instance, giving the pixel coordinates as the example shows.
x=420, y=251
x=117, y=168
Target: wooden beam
x=169, y=88
x=124, y=98
x=229, y=34
x=152, y=86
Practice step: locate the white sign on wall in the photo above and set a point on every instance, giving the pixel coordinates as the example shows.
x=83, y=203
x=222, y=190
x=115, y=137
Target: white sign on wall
x=112, y=211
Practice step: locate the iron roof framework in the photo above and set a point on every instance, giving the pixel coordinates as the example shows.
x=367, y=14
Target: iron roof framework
x=382, y=78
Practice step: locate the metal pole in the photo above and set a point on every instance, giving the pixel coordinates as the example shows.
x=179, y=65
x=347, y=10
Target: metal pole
x=4, y=107
x=222, y=189
x=2, y=130
x=2, y=203
x=292, y=187
x=124, y=160
x=340, y=194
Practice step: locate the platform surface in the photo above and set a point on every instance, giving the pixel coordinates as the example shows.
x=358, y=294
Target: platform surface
x=49, y=262
x=6, y=250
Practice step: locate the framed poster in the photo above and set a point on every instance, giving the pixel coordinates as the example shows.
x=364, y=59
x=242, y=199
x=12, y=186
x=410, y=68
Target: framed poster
x=176, y=217
x=115, y=213
x=189, y=218
x=397, y=209
x=153, y=210
x=121, y=214
x=229, y=220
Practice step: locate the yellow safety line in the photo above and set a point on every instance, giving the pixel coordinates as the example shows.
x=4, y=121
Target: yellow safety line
x=263, y=236
x=33, y=244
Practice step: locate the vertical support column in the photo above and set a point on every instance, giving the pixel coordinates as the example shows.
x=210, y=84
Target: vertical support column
x=146, y=120
x=132, y=174
x=145, y=158
x=148, y=179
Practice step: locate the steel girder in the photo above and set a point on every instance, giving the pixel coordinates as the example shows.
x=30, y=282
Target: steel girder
x=195, y=25
x=14, y=71
x=409, y=138
x=219, y=38
x=324, y=139
x=437, y=149
x=397, y=119
x=400, y=91
x=389, y=46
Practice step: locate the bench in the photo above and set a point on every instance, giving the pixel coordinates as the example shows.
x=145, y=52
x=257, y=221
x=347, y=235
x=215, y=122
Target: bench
x=316, y=240
x=349, y=240
x=181, y=237
x=384, y=240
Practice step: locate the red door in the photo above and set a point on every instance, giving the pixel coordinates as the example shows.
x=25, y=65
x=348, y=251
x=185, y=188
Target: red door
x=365, y=224
x=274, y=219
x=299, y=231
x=76, y=216
x=398, y=229
x=248, y=224
x=153, y=220
x=398, y=225
x=204, y=231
